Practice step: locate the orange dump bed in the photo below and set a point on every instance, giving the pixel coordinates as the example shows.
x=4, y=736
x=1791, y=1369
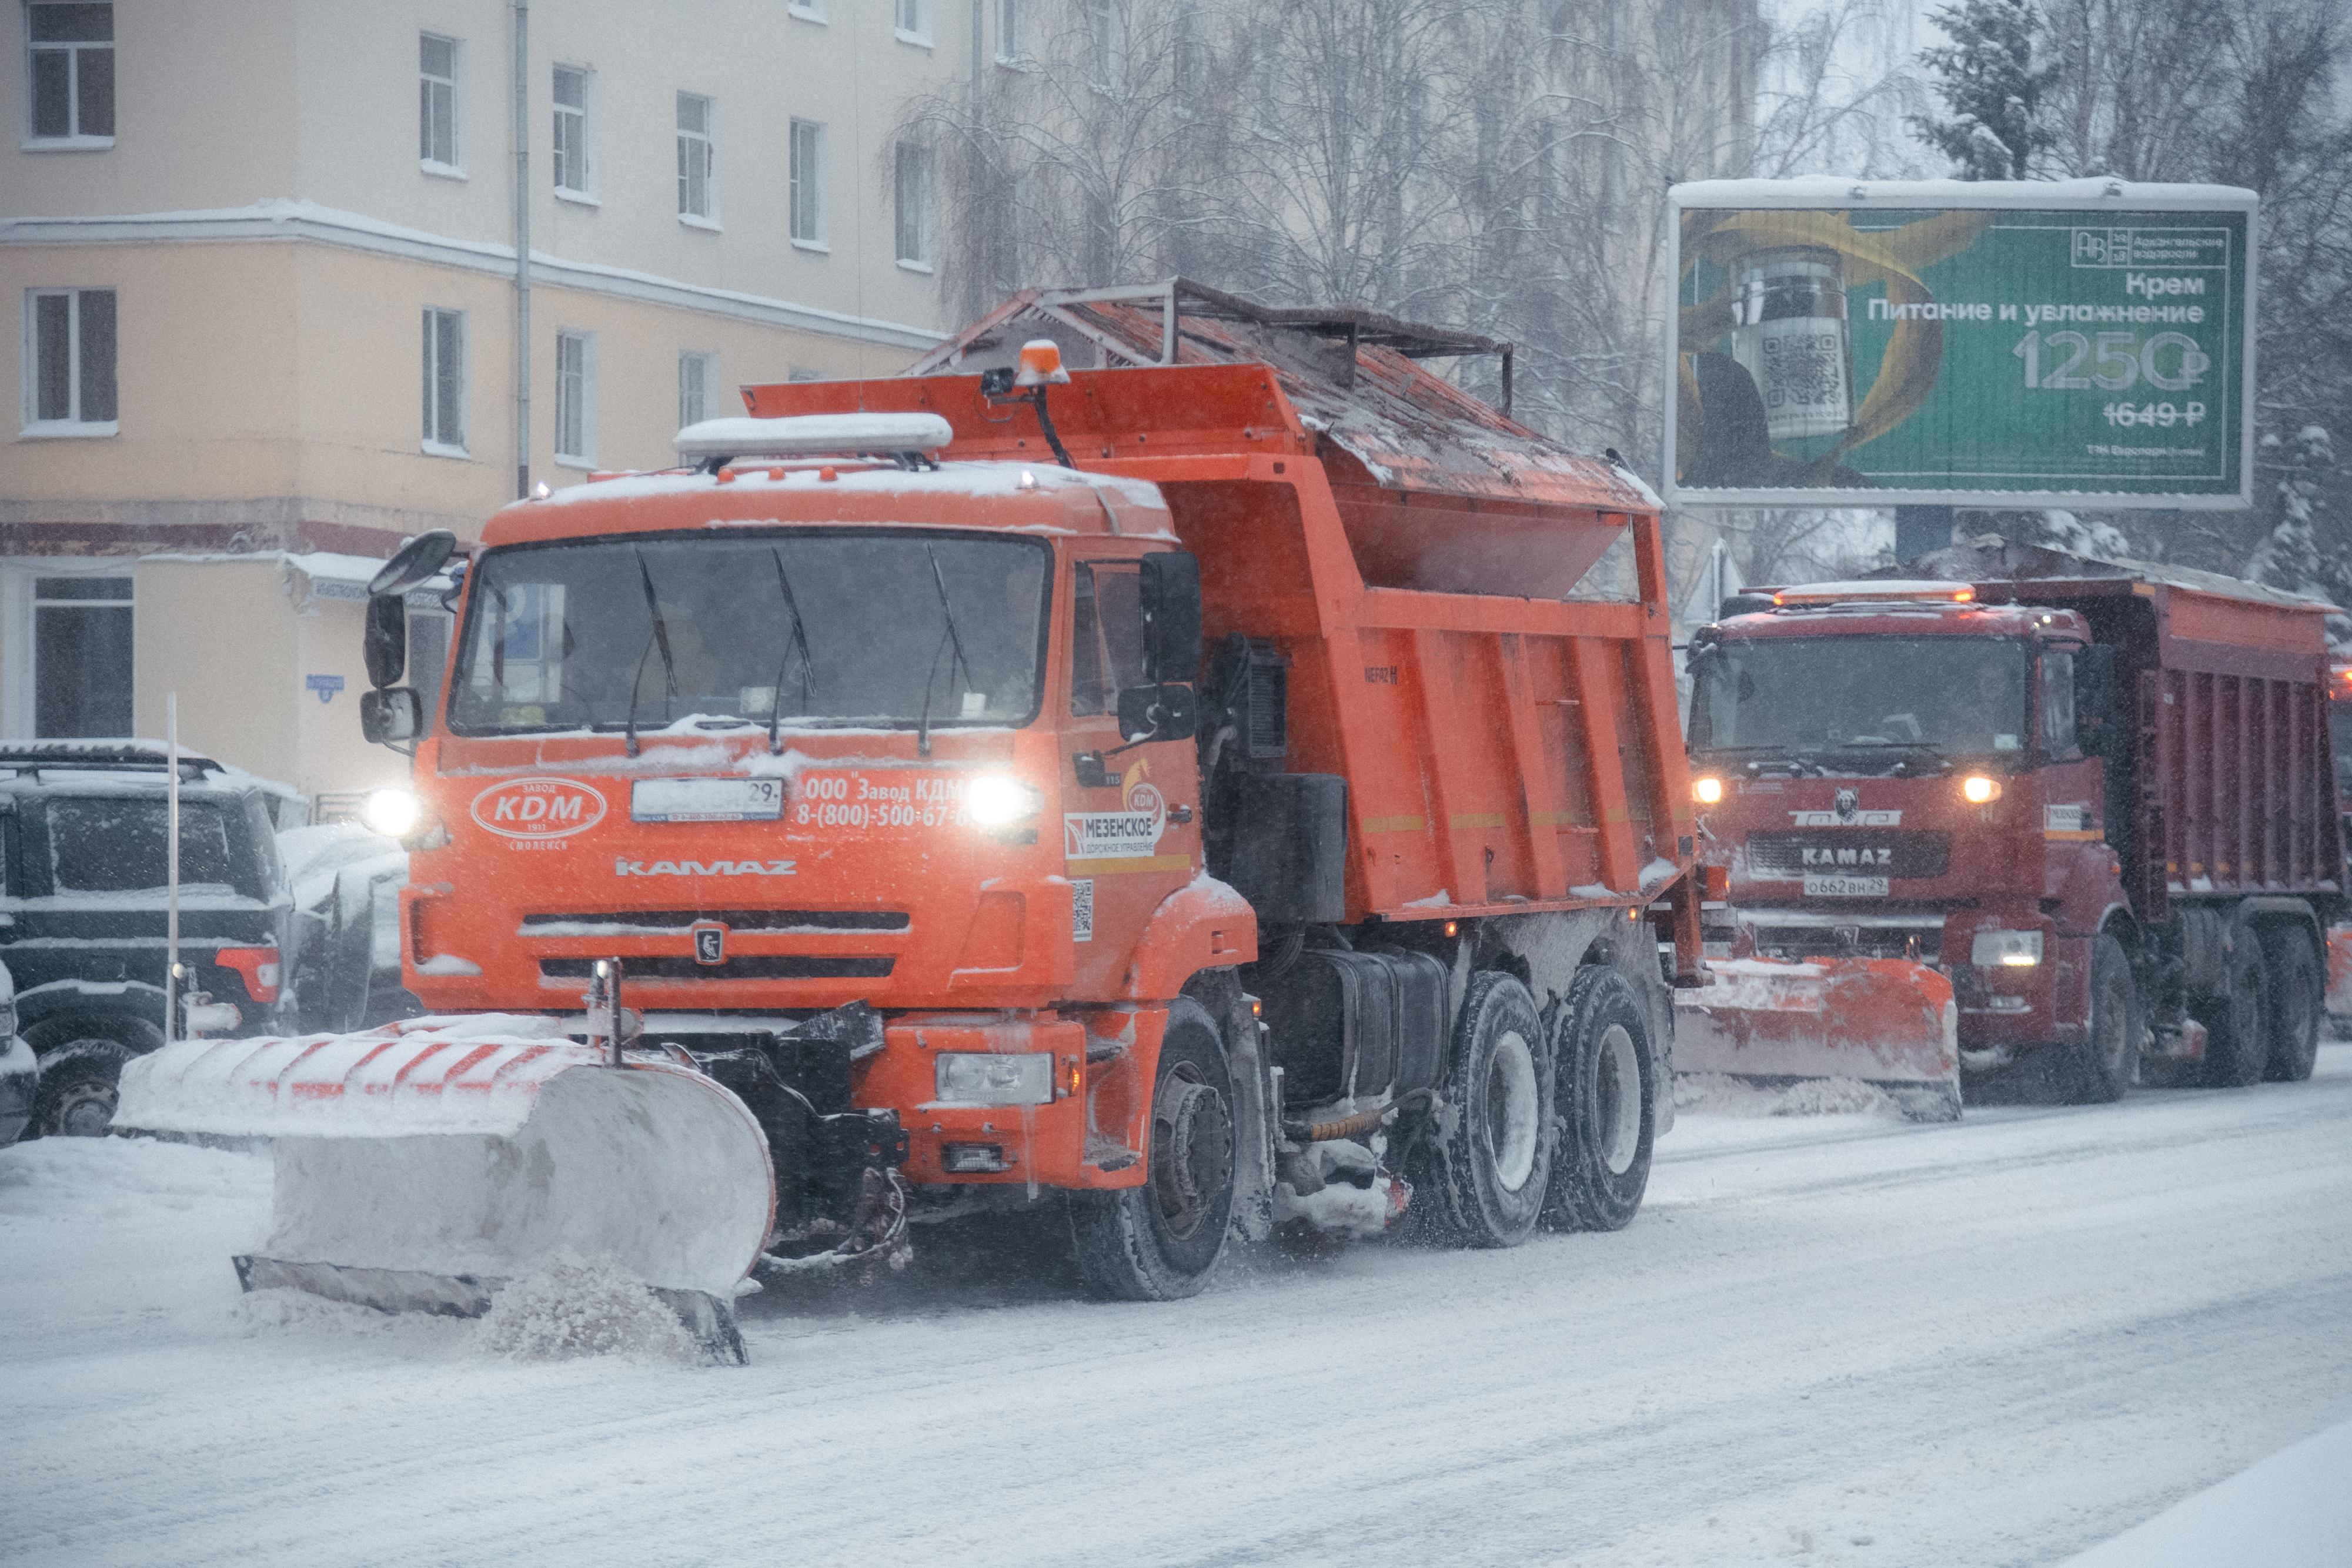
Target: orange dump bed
x=1506, y=747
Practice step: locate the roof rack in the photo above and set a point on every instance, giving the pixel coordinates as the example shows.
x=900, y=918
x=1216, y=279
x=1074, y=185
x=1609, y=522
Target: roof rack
x=100, y=756
x=1179, y=298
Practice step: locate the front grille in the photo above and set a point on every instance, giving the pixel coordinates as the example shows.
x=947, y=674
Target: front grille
x=751, y=967
x=1923, y=943
x=650, y=921
x=1849, y=852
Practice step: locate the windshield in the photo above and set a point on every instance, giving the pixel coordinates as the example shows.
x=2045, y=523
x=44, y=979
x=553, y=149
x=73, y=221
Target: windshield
x=1803, y=695
x=863, y=628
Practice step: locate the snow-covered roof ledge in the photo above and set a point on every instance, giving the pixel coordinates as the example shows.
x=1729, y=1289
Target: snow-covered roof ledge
x=1851, y=191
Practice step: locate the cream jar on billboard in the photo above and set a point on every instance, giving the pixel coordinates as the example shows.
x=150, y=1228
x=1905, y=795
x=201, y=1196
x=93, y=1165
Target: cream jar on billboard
x=1790, y=334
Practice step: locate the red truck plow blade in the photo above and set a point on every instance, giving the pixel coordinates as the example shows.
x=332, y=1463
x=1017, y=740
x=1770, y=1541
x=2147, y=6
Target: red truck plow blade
x=421, y=1166
x=1886, y=1021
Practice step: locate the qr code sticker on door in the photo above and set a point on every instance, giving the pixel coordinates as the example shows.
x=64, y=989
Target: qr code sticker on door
x=1082, y=908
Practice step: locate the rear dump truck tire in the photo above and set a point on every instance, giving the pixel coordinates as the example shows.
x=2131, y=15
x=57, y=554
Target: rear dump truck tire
x=78, y=1091
x=2106, y=1064
x=2298, y=1001
x=1489, y=1166
x=1605, y=1104
x=1161, y=1242
x=2237, y=1021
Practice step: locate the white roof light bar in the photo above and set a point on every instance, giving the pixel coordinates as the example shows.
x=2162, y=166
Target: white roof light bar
x=814, y=436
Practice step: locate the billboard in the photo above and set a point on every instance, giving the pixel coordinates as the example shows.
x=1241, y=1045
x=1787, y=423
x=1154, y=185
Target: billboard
x=2078, y=344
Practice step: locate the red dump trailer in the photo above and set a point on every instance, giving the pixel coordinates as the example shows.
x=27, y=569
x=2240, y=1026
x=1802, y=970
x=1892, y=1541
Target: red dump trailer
x=2100, y=798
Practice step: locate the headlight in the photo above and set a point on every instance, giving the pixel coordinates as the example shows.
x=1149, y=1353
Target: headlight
x=981, y=1078
x=1979, y=789
x=2007, y=949
x=994, y=801
x=394, y=813
x=1706, y=789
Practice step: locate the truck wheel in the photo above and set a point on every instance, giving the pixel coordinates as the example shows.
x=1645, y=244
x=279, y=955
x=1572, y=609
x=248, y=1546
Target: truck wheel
x=77, y=1089
x=1603, y=1100
x=2104, y=1065
x=2298, y=993
x=1492, y=1160
x=1161, y=1242
x=2238, y=1022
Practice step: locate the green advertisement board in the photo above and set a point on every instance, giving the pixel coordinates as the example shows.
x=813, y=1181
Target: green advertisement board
x=2083, y=343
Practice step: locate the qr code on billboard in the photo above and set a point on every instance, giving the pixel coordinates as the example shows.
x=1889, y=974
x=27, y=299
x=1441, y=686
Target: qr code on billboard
x=1082, y=908
x=1802, y=371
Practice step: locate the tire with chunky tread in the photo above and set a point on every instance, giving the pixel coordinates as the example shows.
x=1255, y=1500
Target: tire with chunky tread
x=1488, y=1169
x=2101, y=1068
x=1161, y=1241
x=76, y=1096
x=2298, y=1002
x=1607, y=1125
x=2237, y=1021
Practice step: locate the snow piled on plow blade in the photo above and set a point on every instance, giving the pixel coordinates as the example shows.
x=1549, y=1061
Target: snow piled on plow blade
x=1886, y=1022
x=421, y=1166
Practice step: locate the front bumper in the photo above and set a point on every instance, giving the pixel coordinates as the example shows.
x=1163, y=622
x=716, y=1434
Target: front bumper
x=20, y=1079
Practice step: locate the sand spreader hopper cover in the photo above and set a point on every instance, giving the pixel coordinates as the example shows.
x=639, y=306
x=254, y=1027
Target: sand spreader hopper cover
x=1885, y=1021
x=421, y=1166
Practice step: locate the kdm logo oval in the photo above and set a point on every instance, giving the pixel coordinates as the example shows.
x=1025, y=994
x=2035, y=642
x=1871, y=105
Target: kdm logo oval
x=537, y=808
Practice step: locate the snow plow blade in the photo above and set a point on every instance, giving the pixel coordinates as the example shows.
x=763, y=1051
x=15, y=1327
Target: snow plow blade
x=421, y=1165
x=1886, y=1021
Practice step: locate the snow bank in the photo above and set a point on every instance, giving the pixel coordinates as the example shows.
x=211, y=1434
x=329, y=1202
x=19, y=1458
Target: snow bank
x=2292, y=1510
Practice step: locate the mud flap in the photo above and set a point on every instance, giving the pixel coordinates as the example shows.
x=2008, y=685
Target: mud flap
x=1886, y=1021
x=2339, y=975
x=420, y=1167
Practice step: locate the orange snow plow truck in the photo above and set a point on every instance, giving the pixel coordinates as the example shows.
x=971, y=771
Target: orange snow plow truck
x=1189, y=790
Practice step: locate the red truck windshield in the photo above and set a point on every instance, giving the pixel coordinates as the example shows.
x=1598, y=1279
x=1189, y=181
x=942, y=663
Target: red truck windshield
x=1800, y=696
x=893, y=627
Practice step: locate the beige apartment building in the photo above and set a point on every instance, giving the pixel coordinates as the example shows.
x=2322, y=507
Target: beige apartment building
x=270, y=316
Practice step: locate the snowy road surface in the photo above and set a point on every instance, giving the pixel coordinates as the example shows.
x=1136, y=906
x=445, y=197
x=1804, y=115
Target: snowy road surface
x=1834, y=1340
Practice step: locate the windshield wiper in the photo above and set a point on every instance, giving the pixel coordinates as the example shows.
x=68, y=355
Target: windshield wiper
x=808, y=664
x=947, y=613
x=660, y=639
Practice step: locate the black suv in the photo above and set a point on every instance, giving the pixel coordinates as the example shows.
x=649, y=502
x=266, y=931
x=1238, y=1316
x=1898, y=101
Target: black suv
x=83, y=835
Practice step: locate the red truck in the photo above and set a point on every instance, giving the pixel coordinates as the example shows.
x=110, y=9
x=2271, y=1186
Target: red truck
x=2101, y=799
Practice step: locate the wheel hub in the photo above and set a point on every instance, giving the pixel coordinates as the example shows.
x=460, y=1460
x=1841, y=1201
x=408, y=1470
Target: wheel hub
x=1513, y=1112
x=1191, y=1151
x=83, y=1110
x=1617, y=1099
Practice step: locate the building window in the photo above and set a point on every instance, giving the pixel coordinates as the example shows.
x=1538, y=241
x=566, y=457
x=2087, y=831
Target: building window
x=914, y=22
x=576, y=133
x=698, y=387
x=70, y=56
x=1106, y=38
x=444, y=382
x=440, y=147
x=911, y=196
x=808, y=183
x=698, y=194
x=81, y=657
x=576, y=399
x=1012, y=32
x=69, y=362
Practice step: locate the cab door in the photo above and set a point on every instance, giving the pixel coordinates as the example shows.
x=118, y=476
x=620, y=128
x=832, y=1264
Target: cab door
x=1130, y=828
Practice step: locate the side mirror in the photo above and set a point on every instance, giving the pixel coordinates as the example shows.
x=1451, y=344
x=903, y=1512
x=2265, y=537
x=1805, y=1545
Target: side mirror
x=1170, y=591
x=386, y=644
x=391, y=715
x=415, y=561
x=1156, y=712
x=2098, y=726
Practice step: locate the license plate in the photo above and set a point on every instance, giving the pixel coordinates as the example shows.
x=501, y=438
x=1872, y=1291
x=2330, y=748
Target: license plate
x=707, y=800
x=1845, y=887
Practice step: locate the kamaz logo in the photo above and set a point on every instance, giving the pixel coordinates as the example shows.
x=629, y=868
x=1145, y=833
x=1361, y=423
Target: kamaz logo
x=703, y=868
x=1813, y=857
